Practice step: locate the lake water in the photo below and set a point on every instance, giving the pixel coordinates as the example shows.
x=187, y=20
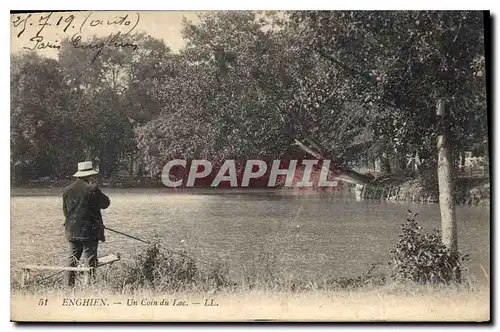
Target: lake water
x=311, y=235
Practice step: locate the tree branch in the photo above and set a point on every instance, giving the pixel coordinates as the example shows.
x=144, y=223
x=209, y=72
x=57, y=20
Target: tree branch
x=342, y=173
x=308, y=150
x=368, y=79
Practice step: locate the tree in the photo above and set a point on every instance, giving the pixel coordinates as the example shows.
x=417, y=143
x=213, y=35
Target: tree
x=405, y=62
x=112, y=93
x=42, y=140
x=397, y=64
x=223, y=101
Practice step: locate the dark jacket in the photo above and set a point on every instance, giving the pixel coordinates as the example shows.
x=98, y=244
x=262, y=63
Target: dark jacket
x=82, y=204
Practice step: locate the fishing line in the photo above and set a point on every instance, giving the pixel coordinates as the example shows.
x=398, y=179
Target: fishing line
x=151, y=243
x=135, y=238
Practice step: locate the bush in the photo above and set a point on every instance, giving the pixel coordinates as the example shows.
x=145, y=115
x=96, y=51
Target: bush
x=159, y=269
x=155, y=270
x=422, y=258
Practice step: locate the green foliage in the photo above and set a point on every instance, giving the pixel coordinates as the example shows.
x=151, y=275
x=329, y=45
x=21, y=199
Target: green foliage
x=73, y=109
x=359, y=84
x=153, y=269
x=224, y=103
x=159, y=269
x=41, y=127
x=422, y=258
x=397, y=63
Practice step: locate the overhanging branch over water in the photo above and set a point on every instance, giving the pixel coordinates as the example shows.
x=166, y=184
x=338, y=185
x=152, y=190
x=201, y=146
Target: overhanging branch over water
x=344, y=174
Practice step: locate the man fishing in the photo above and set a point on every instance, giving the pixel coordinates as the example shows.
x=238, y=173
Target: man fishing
x=84, y=228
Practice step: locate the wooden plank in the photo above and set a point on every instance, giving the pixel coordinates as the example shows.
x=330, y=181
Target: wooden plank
x=24, y=278
x=101, y=261
x=55, y=268
x=108, y=259
x=86, y=278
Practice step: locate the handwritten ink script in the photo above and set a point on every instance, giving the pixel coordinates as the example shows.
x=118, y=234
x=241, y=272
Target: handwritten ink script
x=47, y=30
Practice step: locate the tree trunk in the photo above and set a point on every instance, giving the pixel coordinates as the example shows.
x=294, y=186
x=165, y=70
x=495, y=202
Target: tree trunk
x=402, y=161
x=415, y=162
x=344, y=174
x=385, y=166
x=445, y=178
x=486, y=159
x=131, y=165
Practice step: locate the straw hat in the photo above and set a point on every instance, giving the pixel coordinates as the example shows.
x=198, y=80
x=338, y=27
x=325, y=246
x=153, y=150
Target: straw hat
x=85, y=169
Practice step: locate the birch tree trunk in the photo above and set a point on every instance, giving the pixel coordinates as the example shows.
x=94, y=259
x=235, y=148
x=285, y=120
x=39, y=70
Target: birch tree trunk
x=445, y=178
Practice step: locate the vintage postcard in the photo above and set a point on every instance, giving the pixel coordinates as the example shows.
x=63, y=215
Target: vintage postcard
x=242, y=166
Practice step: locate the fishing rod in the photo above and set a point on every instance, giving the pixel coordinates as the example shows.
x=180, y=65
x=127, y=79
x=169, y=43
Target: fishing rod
x=135, y=238
x=150, y=243
x=127, y=235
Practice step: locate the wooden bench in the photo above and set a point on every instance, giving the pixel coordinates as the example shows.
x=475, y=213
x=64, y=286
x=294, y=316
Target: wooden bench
x=106, y=260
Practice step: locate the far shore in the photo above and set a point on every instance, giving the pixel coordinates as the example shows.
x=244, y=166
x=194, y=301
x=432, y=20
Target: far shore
x=49, y=191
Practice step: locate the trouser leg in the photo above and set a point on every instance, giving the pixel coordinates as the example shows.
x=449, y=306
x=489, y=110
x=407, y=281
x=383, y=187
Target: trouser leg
x=75, y=252
x=89, y=256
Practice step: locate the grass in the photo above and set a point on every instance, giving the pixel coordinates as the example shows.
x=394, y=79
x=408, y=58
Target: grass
x=386, y=303
x=161, y=271
x=158, y=270
x=156, y=274
x=261, y=282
